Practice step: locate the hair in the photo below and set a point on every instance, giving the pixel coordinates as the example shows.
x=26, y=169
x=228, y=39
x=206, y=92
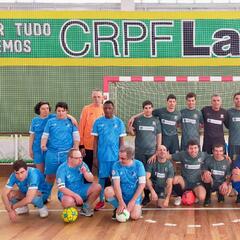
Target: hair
x=147, y=102
x=61, y=105
x=237, y=93
x=171, y=96
x=193, y=142
x=38, y=106
x=97, y=90
x=218, y=145
x=191, y=95
x=19, y=164
x=128, y=150
x=70, y=153
x=108, y=102
x=215, y=95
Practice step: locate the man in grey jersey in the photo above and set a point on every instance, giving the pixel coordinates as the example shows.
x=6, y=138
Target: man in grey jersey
x=191, y=121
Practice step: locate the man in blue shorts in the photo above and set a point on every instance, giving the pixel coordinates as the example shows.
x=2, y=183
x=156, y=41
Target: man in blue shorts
x=59, y=136
x=31, y=189
x=73, y=191
x=129, y=179
x=108, y=132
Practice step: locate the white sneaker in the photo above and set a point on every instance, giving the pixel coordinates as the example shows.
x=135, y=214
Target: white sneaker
x=43, y=212
x=22, y=210
x=177, y=201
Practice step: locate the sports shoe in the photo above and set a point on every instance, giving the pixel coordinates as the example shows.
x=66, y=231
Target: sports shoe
x=220, y=198
x=145, y=200
x=99, y=205
x=177, y=201
x=22, y=210
x=43, y=212
x=86, y=211
x=114, y=214
x=207, y=202
x=238, y=199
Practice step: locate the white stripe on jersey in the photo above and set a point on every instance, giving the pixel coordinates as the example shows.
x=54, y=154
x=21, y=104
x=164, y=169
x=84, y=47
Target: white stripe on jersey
x=142, y=179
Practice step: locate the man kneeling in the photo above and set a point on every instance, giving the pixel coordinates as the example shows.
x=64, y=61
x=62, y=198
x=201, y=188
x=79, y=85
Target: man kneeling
x=32, y=188
x=160, y=177
x=129, y=180
x=72, y=191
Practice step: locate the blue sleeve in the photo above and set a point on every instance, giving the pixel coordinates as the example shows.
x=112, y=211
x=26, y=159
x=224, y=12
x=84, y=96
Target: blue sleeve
x=115, y=171
x=141, y=170
x=11, y=181
x=95, y=128
x=33, y=180
x=60, y=176
x=31, y=129
x=122, y=129
x=47, y=128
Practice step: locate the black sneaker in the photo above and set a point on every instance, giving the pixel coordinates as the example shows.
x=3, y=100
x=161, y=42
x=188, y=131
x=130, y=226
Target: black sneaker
x=145, y=200
x=114, y=214
x=238, y=199
x=220, y=198
x=207, y=202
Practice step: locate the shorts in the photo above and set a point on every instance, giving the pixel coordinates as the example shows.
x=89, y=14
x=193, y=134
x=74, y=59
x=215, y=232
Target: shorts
x=143, y=158
x=192, y=185
x=233, y=151
x=236, y=186
x=105, y=169
x=39, y=157
x=53, y=160
x=127, y=199
x=160, y=191
x=82, y=191
x=171, y=143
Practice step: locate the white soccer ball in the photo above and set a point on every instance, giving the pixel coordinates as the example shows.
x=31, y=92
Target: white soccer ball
x=123, y=216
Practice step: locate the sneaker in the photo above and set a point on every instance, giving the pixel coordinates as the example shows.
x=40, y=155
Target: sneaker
x=238, y=199
x=145, y=200
x=99, y=205
x=220, y=198
x=22, y=210
x=86, y=211
x=207, y=202
x=43, y=212
x=177, y=201
x=114, y=214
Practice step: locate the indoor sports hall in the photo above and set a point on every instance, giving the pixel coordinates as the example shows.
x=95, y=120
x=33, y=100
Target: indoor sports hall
x=133, y=50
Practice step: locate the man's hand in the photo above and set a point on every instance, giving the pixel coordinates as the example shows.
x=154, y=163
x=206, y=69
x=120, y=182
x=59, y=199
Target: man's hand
x=130, y=205
x=12, y=215
x=152, y=159
x=121, y=207
x=78, y=199
x=154, y=196
x=166, y=202
x=83, y=170
x=83, y=152
x=44, y=148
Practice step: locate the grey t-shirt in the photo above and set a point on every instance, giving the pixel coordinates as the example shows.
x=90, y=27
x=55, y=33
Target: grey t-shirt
x=191, y=168
x=168, y=120
x=160, y=172
x=233, y=124
x=146, y=130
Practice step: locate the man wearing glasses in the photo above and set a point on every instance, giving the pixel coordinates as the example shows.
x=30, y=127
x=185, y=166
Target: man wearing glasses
x=72, y=190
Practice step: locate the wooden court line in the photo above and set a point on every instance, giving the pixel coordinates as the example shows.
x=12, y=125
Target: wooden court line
x=151, y=209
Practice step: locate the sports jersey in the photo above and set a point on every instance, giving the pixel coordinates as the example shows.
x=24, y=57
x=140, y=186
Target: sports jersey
x=213, y=125
x=60, y=133
x=146, y=130
x=190, y=122
x=233, y=125
x=160, y=172
x=88, y=116
x=130, y=177
x=219, y=169
x=168, y=120
x=37, y=127
x=108, y=131
x=34, y=180
x=70, y=177
x=190, y=167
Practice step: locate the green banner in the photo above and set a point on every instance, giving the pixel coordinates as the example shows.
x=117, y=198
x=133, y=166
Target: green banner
x=119, y=38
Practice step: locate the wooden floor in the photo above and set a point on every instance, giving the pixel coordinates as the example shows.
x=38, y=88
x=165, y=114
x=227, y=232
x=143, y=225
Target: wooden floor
x=221, y=221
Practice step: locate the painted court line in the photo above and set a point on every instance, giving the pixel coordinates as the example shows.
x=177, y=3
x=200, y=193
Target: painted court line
x=194, y=226
x=217, y=224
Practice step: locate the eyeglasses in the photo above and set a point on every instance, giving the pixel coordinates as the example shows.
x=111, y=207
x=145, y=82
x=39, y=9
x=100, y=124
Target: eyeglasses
x=77, y=157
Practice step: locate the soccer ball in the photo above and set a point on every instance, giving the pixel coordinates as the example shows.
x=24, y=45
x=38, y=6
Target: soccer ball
x=188, y=198
x=69, y=214
x=123, y=216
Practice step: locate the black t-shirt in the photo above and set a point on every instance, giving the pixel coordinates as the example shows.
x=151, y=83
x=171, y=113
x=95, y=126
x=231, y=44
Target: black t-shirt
x=213, y=123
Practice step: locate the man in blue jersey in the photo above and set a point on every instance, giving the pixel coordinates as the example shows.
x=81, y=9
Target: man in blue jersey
x=72, y=188
x=59, y=136
x=129, y=179
x=31, y=189
x=108, y=132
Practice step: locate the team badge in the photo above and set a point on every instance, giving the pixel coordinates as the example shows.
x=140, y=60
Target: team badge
x=59, y=180
x=113, y=172
x=221, y=116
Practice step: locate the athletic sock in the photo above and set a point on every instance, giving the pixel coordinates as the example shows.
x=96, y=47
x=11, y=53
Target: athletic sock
x=102, y=182
x=113, y=201
x=178, y=189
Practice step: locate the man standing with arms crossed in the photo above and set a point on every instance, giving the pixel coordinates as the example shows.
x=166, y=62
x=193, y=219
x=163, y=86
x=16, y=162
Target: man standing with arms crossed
x=88, y=116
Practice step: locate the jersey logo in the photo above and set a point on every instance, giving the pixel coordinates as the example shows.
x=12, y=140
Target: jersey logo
x=59, y=180
x=113, y=172
x=221, y=116
x=154, y=123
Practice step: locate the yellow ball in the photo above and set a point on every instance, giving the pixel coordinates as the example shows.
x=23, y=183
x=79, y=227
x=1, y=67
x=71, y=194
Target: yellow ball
x=69, y=214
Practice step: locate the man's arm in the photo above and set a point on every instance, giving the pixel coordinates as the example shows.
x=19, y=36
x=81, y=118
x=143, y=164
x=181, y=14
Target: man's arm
x=44, y=140
x=159, y=140
x=31, y=139
x=95, y=150
x=150, y=187
x=87, y=174
x=131, y=120
x=81, y=127
x=76, y=139
x=73, y=120
x=31, y=193
x=168, y=191
x=118, y=194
